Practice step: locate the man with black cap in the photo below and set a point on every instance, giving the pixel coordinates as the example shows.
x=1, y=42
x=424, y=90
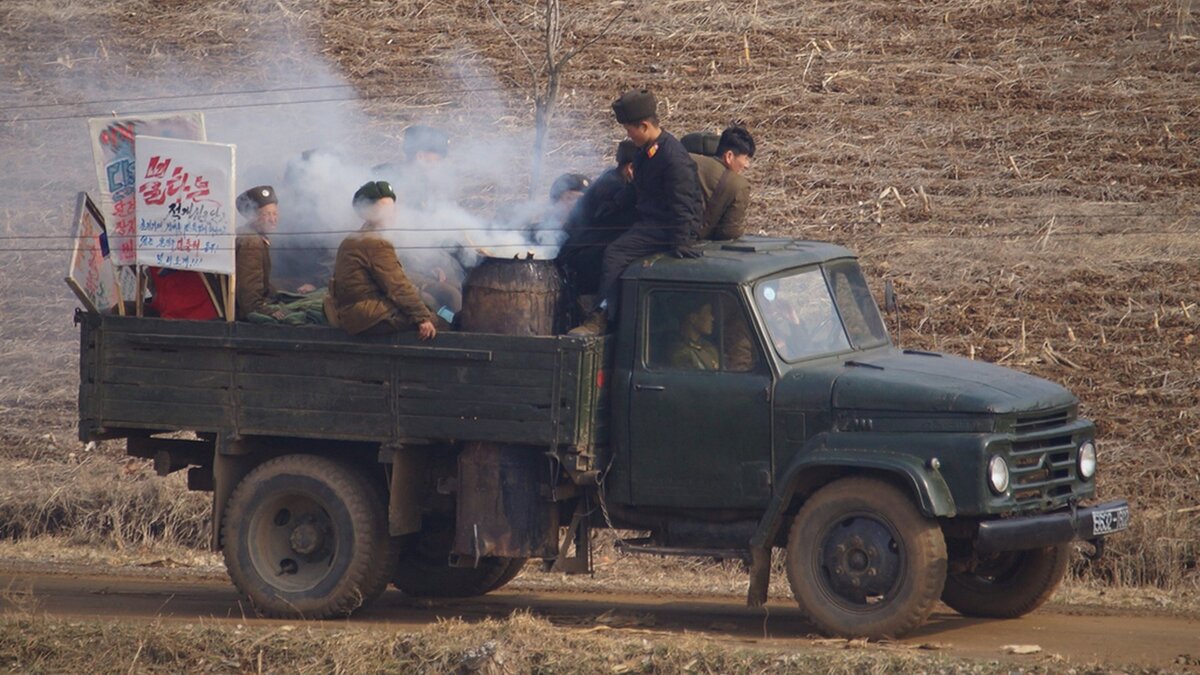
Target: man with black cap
x=726, y=190
x=667, y=201
x=369, y=293
x=425, y=149
x=603, y=213
x=253, y=254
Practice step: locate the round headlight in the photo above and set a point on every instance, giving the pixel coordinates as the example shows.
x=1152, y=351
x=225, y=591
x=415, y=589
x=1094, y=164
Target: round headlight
x=1087, y=460
x=998, y=474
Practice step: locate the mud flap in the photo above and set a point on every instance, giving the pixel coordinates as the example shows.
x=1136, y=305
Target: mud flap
x=760, y=576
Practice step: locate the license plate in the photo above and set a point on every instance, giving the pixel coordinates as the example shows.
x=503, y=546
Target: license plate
x=1110, y=520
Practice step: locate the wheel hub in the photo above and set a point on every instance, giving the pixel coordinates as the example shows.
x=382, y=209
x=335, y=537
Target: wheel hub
x=306, y=538
x=860, y=559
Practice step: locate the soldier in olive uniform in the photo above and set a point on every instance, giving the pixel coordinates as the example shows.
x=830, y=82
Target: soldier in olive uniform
x=692, y=349
x=667, y=201
x=369, y=292
x=726, y=190
x=253, y=254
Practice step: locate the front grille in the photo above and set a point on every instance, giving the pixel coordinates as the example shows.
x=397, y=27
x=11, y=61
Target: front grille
x=1042, y=461
x=1043, y=420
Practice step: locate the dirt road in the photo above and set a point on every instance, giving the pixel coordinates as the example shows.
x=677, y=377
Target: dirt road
x=1151, y=641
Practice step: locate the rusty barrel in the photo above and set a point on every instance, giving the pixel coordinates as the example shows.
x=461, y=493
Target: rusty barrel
x=502, y=510
x=513, y=297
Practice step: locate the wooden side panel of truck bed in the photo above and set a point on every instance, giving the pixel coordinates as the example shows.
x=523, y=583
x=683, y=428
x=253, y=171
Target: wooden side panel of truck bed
x=155, y=375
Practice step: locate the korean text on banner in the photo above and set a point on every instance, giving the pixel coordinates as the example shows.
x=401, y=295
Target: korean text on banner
x=91, y=274
x=113, y=153
x=185, y=205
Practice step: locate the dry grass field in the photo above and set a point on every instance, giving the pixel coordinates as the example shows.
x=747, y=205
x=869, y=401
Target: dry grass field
x=1025, y=173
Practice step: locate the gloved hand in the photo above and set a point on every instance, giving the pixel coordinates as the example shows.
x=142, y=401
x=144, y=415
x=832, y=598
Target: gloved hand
x=687, y=251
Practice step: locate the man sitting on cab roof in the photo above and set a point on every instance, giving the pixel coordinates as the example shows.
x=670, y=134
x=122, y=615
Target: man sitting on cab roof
x=370, y=293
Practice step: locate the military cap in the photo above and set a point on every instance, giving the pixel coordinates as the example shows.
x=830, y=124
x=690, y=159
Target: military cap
x=420, y=138
x=373, y=191
x=701, y=143
x=626, y=151
x=635, y=105
x=567, y=182
x=249, y=202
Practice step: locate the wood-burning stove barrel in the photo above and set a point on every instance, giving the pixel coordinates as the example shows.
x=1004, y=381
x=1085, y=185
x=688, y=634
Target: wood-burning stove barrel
x=502, y=507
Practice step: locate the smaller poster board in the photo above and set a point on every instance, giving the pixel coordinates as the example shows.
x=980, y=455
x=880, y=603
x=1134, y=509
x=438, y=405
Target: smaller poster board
x=91, y=274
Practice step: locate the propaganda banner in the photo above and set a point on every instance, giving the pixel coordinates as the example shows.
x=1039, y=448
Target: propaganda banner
x=91, y=274
x=113, y=152
x=185, y=205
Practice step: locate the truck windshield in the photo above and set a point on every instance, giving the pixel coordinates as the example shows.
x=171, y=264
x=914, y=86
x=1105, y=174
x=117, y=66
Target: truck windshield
x=809, y=315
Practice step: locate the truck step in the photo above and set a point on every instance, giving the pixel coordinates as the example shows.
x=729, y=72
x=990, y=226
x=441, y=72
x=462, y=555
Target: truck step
x=647, y=546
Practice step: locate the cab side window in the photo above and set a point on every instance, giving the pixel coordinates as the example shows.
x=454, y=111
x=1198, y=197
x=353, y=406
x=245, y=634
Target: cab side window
x=698, y=331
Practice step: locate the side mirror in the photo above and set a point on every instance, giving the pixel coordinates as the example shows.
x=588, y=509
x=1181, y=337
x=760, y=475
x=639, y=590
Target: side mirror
x=889, y=297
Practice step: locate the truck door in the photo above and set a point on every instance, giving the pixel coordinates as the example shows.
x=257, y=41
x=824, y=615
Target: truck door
x=700, y=415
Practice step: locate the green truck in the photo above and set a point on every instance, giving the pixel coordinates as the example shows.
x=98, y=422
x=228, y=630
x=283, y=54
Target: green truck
x=748, y=400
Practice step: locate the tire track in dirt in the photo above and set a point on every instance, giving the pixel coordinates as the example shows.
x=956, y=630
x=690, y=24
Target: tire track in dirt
x=1126, y=638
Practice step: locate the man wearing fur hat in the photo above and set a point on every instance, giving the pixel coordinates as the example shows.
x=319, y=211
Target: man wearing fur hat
x=369, y=293
x=668, y=201
x=255, y=292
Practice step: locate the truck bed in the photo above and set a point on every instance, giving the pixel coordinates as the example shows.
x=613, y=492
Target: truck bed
x=140, y=376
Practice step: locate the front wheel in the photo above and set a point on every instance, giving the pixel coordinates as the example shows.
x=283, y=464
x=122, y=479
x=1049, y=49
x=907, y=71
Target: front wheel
x=307, y=537
x=863, y=561
x=1008, y=585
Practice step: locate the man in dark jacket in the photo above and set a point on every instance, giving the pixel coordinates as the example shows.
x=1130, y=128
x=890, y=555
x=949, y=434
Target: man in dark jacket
x=668, y=201
x=603, y=213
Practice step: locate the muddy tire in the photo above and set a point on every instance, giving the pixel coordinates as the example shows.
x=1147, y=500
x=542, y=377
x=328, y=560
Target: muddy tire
x=863, y=561
x=306, y=537
x=1008, y=585
x=423, y=570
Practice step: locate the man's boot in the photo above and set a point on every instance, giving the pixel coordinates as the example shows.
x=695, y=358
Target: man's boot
x=595, y=324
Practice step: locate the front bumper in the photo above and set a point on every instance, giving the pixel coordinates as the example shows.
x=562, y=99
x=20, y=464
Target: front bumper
x=1049, y=529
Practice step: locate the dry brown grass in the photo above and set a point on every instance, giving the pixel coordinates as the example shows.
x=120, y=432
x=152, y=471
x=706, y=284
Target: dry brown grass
x=520, y=643
x=1024, y=172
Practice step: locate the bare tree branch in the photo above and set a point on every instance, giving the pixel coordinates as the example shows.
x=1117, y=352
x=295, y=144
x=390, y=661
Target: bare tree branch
x=528, y=61
x=595, y=38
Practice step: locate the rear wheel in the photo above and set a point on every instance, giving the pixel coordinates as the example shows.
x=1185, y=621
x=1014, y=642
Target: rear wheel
x=306, y=536
x=863, y=561
x=424, y=570
x=1009, y=584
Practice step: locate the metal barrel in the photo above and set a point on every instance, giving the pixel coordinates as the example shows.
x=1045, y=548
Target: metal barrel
x=513, y=297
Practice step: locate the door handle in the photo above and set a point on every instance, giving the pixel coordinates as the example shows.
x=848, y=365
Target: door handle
x=649, y=387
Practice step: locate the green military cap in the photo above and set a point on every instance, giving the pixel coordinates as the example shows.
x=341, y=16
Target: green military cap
x=626, y=151
x=634, y=106
x=420, y=138
x=249, y=202
x=701, y=142
x=373, y=191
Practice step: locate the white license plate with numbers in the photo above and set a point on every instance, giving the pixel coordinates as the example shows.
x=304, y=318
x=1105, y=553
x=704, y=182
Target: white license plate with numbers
x=1110, y=520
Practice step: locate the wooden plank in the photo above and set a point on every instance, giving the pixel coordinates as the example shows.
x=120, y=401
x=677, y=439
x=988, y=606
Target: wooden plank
x=474, y=410
x=191, y=359
x=314, y=401
x=343, y=367
x=499, y=431
x=308, y=424
x=327, y=387
x=154, y=393
x=452, y=391
x=116, y=412
x=118, y=325
x=489, y=374
x=173, y=377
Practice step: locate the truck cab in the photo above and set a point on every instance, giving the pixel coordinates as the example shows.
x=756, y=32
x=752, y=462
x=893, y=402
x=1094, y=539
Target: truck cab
x=758, y=402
